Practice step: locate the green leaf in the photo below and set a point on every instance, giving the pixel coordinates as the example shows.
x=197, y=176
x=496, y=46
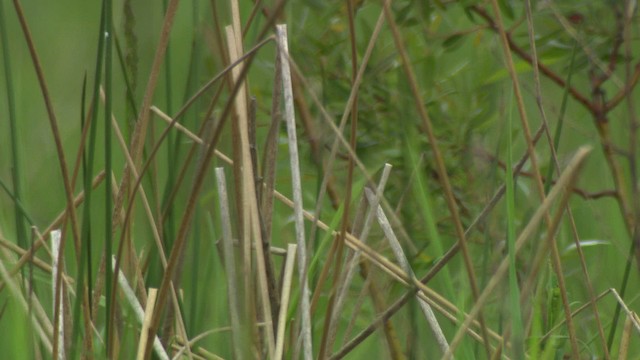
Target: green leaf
x=453, y=42
x=507, y=8
x=521, y=67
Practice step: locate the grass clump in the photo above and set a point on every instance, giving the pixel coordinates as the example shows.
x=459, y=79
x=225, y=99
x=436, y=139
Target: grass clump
x=318, y=180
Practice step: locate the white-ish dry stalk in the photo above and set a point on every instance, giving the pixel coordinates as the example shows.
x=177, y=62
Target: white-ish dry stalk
x=355, y=259
x=630, y=314
x=55, y=248
x=137, y=309
x=404, y=263
x=289, y=114
x=229, y=261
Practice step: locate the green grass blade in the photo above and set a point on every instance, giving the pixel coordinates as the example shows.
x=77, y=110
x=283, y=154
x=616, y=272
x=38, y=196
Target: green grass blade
x=88, y=157
x=563, y=109
x=19, y=214
x=108, y=236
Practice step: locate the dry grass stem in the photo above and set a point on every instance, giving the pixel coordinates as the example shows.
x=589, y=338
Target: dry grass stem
x=322, y=271
x=251, y=225
x=440, y=166
x=289, y=114
x=229, y=261
x=404, y=263
x=352, y=264
x=630, y=314
x=565, y=181
x=55, y=247
x=43, y=326
x=287, y=284
x=137, y=309
x=148, y=315
x=624, y=339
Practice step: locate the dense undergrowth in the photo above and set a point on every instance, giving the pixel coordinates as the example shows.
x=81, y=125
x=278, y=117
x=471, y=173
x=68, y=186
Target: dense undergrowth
x=319, y=179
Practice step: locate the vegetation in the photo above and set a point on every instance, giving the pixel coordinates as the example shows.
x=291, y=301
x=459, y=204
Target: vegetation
x=319, y=179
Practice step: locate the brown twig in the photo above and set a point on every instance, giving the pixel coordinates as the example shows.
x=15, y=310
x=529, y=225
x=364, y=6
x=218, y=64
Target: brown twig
x=578, y=191
x=440, y=166
x=552, y=75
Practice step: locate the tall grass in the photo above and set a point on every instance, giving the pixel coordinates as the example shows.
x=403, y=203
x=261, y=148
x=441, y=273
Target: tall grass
x=262, y=219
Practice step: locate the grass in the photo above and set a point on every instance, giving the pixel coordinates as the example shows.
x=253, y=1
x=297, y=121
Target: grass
x=340, y=180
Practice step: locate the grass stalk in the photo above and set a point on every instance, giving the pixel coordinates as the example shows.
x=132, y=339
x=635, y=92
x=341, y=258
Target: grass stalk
x=352, y=242
x=148, y=315
x=199, y=179
x=108, y=164
x=401, y=258
x=283, y=49
x=251, y=229
x=55, y=247
x=440, y=166
x=229, y=264
x=326, y=341
x=431, y=111
x=538, y=178
x=154, y=231
x=16, y=158
x=137, y=309
x=59, y=150
x=338, y=130
x=287, y=284
x=553, y=146
x=353, y=262
x=43, y=328
x=565, y=181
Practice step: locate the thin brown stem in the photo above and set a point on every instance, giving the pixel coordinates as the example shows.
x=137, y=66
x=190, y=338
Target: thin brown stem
x=443, y=176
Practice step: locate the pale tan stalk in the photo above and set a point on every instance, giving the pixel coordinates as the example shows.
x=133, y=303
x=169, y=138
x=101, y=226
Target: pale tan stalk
x=630, y=314
x=148, y=314
x=625, y=340
x=284, y=303
x=251, y=225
